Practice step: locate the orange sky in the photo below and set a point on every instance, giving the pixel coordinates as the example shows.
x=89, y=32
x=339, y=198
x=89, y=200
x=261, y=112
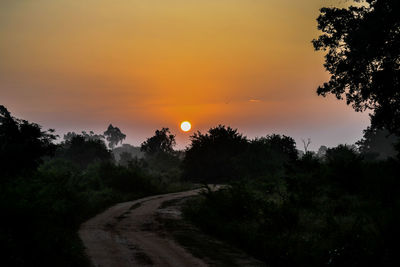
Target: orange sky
x=142, y=65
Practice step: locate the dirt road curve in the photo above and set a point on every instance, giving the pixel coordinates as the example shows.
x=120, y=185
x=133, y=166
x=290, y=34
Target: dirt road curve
x=127, y=235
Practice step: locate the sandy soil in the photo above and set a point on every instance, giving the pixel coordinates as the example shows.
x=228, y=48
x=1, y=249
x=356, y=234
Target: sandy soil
x=128, y=234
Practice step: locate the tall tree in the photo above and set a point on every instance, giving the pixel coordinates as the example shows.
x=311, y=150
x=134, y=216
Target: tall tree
x=362, y=45
x=114, y=136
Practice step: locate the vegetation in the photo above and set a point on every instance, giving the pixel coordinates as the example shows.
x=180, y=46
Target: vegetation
x=337, y=207
x=47, y=190
x=114, y=136
x=363, y=58
x=378, y=143
x=162, y=142
x=212, y=156
x=340, y=210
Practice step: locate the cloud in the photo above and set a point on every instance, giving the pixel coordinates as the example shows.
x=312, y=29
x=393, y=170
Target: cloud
x=255, y=100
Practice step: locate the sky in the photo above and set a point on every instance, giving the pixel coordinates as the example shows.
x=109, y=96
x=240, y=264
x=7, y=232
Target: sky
x=77, y=65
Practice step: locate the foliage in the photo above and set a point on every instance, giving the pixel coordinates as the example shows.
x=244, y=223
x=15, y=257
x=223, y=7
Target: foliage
x=125, y=159
x=22, y=145
x=214, y=156
x=363, y=58
x=84, y=151
x=337, y=209
x=311, y=216
x=224, y=155
x=162, y=142
x=378, y=144
x=114, y=136
x=133, y=151
x=88, y=136
x=42, y=215
x=269, y=155
x=45, y=198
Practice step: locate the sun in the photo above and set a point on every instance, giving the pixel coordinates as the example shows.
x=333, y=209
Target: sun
x=186, y=126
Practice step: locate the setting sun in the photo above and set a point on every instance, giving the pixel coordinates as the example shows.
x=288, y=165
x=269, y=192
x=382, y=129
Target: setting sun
x=186, y=126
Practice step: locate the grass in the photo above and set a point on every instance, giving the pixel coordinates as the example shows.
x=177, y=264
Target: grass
x=212, y=251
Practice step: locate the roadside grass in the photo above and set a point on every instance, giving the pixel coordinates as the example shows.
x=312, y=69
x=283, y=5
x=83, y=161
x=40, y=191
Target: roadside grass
x=213, y=251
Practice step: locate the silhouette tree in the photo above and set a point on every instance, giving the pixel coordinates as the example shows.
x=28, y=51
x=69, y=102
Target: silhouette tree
x=345, y=166
x=114, y=136
x=83, y=151
x=268, y=155
x=363, y=58
x=22, y=145
x=306, y=144
x=282, y=144
x=215, y=156
x=163, y=141
x=322, y=151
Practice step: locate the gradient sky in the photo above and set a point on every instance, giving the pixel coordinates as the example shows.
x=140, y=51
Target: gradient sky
x=146, y=64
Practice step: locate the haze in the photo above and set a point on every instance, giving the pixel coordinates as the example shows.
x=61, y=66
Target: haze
x=143, y=65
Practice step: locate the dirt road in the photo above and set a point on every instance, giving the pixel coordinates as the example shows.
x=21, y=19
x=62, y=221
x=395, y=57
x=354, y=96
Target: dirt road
x=127, y=234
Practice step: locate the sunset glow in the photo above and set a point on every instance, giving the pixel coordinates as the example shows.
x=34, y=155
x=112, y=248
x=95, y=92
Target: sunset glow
x=74, y=65
x=186, y=126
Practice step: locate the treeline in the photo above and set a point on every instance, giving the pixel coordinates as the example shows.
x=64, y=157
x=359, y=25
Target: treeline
x=337, y=207
x=47, y=190
x=341, y=208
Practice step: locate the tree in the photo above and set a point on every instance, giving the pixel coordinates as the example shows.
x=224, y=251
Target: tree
x=88, y=136
x=363, y=58
x=83, y=151
x=22, y=145
x=282, y=144
x=268, y=155
x=162, y=142
x=378, y=144
x=125, y=159
x=344, y=163
x=215, y=156
x=114, y=136
x=306, y=144
x=322, y=151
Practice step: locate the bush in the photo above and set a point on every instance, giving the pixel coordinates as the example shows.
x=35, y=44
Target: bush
x=339, y=212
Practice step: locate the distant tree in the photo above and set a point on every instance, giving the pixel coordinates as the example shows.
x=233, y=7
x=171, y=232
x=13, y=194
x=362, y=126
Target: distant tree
x=268, y=155
x=378, y=143
x=162, y=142
x=282, y=144
x=83, y=151
x=22, y=145
x=125, y=159
x=114, y=136
x=69, y=136
x=134, y=151
x=92, y=136
x=363, y=58
x=88, y=136
x=306, y=144
x=344, y=164
x=215, y=156
x=342, y=155
x=322, y=151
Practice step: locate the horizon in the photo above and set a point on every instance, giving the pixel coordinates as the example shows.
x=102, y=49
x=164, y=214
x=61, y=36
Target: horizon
x=142, y=66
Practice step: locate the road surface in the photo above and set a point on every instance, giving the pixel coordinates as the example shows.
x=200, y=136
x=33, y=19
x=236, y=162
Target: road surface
x=128, y=234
